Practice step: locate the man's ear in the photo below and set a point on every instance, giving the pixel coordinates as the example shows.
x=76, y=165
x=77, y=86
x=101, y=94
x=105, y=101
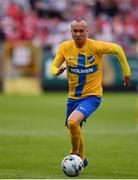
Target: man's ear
x=87, y=32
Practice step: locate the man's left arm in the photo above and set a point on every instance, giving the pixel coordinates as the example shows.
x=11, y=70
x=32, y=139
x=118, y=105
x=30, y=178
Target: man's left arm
x=112, y=48
x=125, y=66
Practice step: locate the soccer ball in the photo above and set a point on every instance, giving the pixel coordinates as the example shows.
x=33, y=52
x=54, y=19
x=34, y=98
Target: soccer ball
x=72, y=165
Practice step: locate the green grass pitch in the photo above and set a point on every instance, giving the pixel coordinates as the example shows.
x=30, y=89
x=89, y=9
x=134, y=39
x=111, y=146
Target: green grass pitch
x=33, y=139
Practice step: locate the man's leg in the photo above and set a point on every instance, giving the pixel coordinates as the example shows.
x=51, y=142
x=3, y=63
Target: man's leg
x=77, y=141
x=75, y=133
x=81, y=149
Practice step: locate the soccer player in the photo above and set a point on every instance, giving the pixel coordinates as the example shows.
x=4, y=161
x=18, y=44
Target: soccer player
x=83, y=58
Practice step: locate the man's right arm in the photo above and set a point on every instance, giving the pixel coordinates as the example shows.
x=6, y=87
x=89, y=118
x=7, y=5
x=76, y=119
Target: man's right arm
x=56, y=68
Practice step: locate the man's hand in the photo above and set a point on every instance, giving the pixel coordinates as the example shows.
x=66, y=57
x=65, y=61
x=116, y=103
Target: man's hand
x=127, y=81
x=60, y=71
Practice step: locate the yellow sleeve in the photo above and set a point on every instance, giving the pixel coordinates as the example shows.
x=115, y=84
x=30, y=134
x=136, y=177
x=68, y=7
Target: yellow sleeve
x=111, y=48
x=58, y=61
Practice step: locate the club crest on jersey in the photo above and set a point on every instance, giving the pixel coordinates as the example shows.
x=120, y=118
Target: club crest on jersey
x=90, y=59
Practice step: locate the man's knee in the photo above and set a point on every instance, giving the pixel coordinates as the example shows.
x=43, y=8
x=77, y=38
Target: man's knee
x=72, y=124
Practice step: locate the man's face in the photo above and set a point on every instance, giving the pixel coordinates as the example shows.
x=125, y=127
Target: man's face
x=79, y=32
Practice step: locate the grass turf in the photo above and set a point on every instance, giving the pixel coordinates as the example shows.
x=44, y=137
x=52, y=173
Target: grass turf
x=33, y=139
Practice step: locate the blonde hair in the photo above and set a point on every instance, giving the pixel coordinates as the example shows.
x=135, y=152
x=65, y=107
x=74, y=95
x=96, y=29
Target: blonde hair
x=78, y=20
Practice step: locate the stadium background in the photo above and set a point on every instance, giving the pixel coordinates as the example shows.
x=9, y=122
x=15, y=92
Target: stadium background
x=31, y=30
x=30, y=145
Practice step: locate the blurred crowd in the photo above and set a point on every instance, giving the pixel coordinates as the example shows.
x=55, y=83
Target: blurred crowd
x=47, y=22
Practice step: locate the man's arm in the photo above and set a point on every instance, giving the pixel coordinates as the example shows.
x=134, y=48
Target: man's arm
x=111, y=48
x=56, y=68
x=125, y=66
